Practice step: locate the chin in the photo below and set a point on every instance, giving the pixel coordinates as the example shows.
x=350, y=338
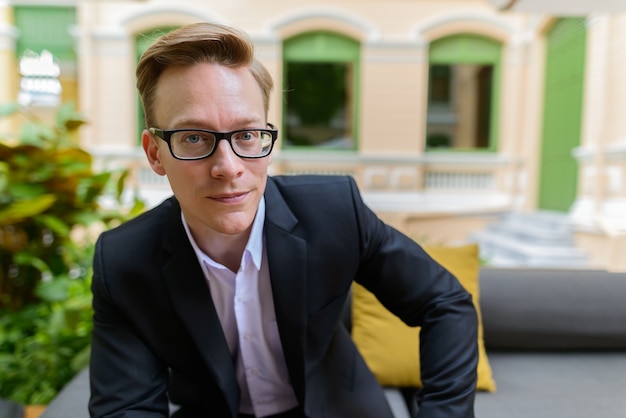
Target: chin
x=235, y=226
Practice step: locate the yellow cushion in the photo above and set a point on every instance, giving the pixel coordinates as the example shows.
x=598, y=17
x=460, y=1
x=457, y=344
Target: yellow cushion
x=391, y=348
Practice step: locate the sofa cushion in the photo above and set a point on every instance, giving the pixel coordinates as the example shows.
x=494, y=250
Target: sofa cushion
x=555, y=385
x=553, y=309
x=390, y=347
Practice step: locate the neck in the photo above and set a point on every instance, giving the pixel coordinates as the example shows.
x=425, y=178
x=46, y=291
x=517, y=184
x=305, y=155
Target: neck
x=225, y=249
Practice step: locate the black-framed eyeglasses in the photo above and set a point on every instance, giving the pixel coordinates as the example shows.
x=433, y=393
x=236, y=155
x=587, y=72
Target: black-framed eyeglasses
x=196, y=144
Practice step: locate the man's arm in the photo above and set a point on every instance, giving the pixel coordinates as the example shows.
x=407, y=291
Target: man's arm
x=422, y=293
x=449, y=356
x=126, y=378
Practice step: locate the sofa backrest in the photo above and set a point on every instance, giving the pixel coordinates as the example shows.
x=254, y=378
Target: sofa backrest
x=553, y=309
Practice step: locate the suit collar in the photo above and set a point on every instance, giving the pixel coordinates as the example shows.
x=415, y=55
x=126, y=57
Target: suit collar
x=277, y=211
x=287, y=258
x=192, y=300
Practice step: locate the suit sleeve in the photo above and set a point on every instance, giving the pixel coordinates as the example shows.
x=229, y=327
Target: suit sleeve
x=422, y=293
x=126, y=378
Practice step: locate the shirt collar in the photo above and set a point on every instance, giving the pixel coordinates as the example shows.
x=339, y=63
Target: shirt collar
x=255, y=242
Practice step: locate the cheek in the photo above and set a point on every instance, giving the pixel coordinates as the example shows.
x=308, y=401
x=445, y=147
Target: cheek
x=261, y=172
x=181, y=176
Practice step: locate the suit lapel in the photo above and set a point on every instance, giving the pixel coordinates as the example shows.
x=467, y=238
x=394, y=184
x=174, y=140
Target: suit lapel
x=286, y=253
x=192, y=300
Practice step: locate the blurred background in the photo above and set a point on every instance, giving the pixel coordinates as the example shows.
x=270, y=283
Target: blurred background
x=499, y=122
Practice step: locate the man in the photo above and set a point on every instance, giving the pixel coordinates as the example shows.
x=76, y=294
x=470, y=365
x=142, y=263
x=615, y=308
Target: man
x=226, y=299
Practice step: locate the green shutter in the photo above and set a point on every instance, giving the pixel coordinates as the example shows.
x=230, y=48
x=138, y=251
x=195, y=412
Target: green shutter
x=46, y=27
x=563, y=99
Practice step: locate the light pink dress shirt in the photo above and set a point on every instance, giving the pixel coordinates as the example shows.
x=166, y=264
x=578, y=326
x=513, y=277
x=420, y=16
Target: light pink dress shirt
x=245, y=307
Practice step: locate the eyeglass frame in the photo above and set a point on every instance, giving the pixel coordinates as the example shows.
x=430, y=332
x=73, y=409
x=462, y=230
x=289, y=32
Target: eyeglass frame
x=166, y=135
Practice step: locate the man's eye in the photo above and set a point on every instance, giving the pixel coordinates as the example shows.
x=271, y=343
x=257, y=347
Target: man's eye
x=193, y=138
x=246, y=136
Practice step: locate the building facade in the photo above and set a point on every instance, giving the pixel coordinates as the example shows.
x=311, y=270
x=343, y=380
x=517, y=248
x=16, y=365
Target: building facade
x=447, y=113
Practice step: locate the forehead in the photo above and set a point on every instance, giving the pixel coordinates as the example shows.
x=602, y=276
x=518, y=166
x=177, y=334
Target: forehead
x=209, y=92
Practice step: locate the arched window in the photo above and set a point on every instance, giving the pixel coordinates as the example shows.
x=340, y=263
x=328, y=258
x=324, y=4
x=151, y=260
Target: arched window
x=46, y=50
x=463, y=92
x=321, y=76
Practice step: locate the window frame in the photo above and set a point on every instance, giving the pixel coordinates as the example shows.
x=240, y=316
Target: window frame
x=469, y=48
x=323, y=46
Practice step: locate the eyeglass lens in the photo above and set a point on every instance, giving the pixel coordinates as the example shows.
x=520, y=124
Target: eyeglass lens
x=245, y=143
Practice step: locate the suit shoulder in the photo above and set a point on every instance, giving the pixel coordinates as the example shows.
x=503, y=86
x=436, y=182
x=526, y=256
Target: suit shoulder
x=144, y=227
x=298, y=181
x=314, y=193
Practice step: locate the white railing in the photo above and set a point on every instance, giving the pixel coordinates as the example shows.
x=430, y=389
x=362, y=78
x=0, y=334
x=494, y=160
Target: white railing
x=459, y=180
x=401, y=176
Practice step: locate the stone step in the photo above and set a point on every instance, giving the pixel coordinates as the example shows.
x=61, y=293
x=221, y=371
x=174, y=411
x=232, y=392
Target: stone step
x=499, y=249
x=538, y=239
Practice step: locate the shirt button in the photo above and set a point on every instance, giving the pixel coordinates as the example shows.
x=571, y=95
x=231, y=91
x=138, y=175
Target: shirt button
x=247, y=336
x=255, y=372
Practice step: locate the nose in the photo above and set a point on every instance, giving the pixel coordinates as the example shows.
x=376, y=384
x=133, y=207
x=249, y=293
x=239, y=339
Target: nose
x=225, y=163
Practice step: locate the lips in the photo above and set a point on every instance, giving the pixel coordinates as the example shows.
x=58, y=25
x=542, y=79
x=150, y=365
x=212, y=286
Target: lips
x=229, y=198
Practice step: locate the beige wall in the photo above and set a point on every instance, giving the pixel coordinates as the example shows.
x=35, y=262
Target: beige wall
x=8, y=66
x=435, y=193
x=394, y=40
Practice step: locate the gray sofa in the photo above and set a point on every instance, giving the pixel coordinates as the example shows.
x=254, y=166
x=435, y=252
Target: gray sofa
x=556, y=342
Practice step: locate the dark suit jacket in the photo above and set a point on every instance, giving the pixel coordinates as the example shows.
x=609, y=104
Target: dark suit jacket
x=156, y=332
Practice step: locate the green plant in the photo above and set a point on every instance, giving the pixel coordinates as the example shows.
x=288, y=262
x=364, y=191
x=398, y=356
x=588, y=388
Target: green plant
x=43, y=345
x=51, y=209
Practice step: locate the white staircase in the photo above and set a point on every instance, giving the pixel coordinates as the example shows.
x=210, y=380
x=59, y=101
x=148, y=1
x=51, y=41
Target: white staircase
x=537, y=239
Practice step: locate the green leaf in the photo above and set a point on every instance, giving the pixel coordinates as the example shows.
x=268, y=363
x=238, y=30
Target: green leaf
x=4, y=176
x=81, y=359
x=27, y=259
x=23, y=209
x=87, y=217
x=68, y=118
x=36, y=134
x=53, y=291
x=56, y=224
x=121, y=182
x=26, y=191
x=7, y=109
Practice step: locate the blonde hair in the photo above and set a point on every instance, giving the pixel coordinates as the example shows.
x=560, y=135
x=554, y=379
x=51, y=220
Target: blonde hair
x=194, y=44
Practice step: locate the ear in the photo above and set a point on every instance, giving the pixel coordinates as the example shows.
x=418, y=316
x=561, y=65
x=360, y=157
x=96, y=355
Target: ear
x=153, y=151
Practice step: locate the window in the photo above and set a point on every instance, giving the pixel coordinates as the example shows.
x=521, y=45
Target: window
x=39, y=80
x=317, y=105
x=321, y=74
x=462, y=93
x=47, y=55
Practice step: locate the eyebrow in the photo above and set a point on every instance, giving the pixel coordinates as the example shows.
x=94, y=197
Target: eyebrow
x=200, y=124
